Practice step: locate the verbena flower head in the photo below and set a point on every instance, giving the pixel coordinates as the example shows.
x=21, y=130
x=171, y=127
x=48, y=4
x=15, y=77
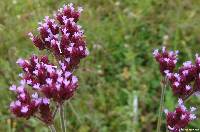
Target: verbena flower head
x=25, y=105
x=166, y=59
x=29, y=103
x=43, y=82
x=186, y=80
x=184, y=83
x=47, y=83
x=55, y=83
x=180, y=118
x=179, y=83
x=63, y=36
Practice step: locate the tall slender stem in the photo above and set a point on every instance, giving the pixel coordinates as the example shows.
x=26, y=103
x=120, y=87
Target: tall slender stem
x=62, y=119
x=164, y=85
x=55, y=111
x=52, y=128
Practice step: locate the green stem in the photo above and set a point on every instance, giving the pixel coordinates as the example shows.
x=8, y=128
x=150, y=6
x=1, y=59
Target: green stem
x=161, y=104
x=52, y=128
x=55, y=111
x=62, y=119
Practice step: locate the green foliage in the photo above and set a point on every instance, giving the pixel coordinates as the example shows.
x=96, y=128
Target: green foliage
x=121, y=36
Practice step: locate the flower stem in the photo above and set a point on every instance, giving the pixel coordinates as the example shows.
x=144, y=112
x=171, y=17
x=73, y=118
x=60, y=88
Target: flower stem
x=52, y=128
x=164, y=85
x=62, y=119
x=55, y=111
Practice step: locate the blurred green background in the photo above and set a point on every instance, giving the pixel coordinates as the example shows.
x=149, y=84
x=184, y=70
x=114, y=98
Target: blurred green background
x=120, y=71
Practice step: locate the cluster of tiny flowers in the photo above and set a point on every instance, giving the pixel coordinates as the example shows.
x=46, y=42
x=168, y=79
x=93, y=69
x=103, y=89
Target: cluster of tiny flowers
x=43, y=82
x=184, y=82
x=167, y=60
x=180, y=118
x=47, y=82
x=63, y=36
x=55, y=83
x=187, y=80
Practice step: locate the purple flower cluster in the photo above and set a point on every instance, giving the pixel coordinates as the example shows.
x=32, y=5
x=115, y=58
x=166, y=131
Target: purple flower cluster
x=167, y=60
x=180, y=118
x=43, y=82
x=184, y=83
x=55, y=83
x=29, y=104
x=187, y=80
x=26, y=104
x=63, y=36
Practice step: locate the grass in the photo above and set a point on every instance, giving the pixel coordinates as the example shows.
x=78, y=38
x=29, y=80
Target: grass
x=121, y=36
